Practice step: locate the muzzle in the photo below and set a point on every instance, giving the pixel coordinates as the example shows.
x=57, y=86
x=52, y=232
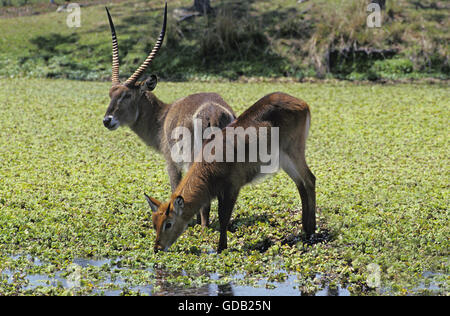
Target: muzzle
x=111, y=123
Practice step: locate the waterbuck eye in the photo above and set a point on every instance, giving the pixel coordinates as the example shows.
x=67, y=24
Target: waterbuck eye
x=168, y=226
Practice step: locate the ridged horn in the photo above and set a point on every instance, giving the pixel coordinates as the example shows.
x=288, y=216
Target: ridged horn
x=115, y=52
x=132, y=80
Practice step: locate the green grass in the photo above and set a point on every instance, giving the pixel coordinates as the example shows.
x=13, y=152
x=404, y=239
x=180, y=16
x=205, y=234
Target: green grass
x=246, y=38
x=71, y=189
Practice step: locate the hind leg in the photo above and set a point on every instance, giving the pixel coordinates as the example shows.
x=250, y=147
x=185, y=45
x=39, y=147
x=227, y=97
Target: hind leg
x=296, y=167
x=307, y=190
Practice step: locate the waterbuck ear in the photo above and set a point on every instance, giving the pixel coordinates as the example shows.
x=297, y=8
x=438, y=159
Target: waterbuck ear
x=150, y=83
x=154, y=204
x=178, y=205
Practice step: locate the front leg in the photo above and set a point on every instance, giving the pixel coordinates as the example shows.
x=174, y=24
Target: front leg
x=203, y=217
x=226, y=205
x=174, y=175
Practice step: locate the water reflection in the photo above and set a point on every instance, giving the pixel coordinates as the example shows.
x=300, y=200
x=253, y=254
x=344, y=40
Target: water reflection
x=288, y=287
x=112, y=283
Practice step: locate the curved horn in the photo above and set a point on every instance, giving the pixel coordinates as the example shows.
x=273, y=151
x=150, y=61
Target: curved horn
x=132, y=80
x=115, y=52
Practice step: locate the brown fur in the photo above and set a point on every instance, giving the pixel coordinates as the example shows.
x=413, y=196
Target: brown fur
x=206, y=181
x=133, y=104
x=153, y=120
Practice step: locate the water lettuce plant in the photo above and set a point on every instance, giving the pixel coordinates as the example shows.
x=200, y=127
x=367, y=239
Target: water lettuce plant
x=73, y=218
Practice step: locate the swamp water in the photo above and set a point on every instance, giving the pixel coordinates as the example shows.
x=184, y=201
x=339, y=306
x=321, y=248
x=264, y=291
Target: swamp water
x=106, y=277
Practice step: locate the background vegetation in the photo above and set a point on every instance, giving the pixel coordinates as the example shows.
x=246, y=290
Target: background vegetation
x=72, y=190
x=282, y=38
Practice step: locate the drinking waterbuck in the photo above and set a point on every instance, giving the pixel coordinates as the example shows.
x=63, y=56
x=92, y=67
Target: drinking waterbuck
x=280, y=122
x=133, y=104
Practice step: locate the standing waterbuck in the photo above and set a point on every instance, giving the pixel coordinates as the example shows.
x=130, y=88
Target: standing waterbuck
x=133, y=104
x=279, y=122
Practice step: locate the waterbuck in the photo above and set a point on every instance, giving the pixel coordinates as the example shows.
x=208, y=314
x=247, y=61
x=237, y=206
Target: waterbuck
x=281, y=123
x=134, y=105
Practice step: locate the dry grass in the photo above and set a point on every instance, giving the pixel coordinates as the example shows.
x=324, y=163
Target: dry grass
x=243, y=38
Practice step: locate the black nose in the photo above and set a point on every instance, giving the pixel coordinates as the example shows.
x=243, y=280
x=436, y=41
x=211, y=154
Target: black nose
x=107, y=121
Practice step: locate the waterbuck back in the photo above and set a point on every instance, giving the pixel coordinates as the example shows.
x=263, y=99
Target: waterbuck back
x=278, y=125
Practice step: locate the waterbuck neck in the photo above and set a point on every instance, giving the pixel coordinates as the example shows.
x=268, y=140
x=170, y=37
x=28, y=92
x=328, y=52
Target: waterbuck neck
x=195, y=188
x=150, y=119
